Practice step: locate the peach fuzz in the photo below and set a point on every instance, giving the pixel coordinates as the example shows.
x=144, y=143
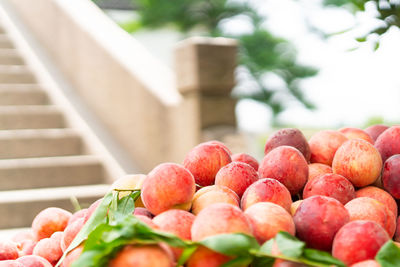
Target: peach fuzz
x=220, y=144
x=8, y=250
x=375, y=130
x=130, y=182
x=142, y=256
x=219, y=218
x=287, y=165
x=168, y=186
x=267, y=219
x=50, y=248
x=366, y=263
x=49, y=221
x=317, y=220
x=391, y=176
x=236, y=176
x=288, y=137
x=323, y=146
x=204, y=257
x=72, y=256
x=295, y=205
x=355, y=133
x=70, y=232
x=213, y=194
x=77, y=215
x=204, y=161
x=358, y=161
x=330, y=185
x=388, y=142
x=34, y=261
x=245, y=158
x=358, y=241
x=26, y=241
x=317, y=169
x=267, y=190
x=366, y=208
x=379, y=194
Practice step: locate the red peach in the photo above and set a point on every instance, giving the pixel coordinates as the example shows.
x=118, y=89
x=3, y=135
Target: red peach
x=142, y=211
x=288, y=137
x=147, y=221
x=375, y=130
x=204, y=161
x=295, y=205
x=8, y=250
x=50, y=248
x=26, y=242
x=330, y=185
x=379, y=194
x=168, y=186
x=245, y=158
x=317, y=169
x=323, y=146
x=219, y=218
x=142, y=256
x=397, y=233
x=23, y=235
x=92, y=209
x=213, y=194
x=355, y=133
x=317, y=220
x=10, y=263
x=358, y=241
x=287, y=165
x=72, y=256
x=34, y=261
x=388, y=142
x=236, y=176
x=220, y=144
x=391, y=176
x=358, y=161
x=77, y=215
x=70, y=233
x=267, y=219
x=366, y=263
x=267, y=190
x=283, y=263
x=130, y=182
x=204, y=257
x=49, y=221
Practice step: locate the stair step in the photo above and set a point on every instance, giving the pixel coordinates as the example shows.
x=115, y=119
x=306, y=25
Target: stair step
x=39, y=143
x=16, y=74
x=30, y=117
x=20, y=207
x=22, y=94
x=5, y=41
x=10, y=57
x=50, y=172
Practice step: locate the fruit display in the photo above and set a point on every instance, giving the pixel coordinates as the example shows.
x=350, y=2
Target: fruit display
x=327, y=201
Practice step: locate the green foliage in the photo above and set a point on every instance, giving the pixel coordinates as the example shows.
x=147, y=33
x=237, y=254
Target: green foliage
x=388, y=255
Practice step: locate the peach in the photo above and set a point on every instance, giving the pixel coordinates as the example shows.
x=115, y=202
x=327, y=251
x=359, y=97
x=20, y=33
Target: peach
x=267, y=219
x=317, y=169
x=34, y=261
x=77, y=215
x=366, y=263
x=379, y=194
x=366, y=208
x=288, y=137
x=49, y=221
x=358, y=161
x=10, y=263
x=355, y=133
x=375, y=130
x=287, y=165
x=70, y=232
x=142, y=256
x=72, y=256
x=323, y=146
x=397, y=233
x=168, y=186
x=204, y=257
x=358, y=241
x=220, y=144
x=295, y=205
x=219, y=218
x=26, y=241
x=8, y=250
x=283, y=263
x=50, y=248
x=317, y=220
x=236, y=176
x=213, y=194
x=388, y=142
x=147, y=221
x=267, y=190
x=330, y=185
x=142, y=211
x=245, y=158
x=130, y=182
x=391, y=176
x=92, y=209
x=204, y=161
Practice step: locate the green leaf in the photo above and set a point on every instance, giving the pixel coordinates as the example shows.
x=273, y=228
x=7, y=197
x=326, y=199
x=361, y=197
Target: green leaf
x=267, y=246
x=238, y=262
x=263, y=262
x=361, y=39
x=289, y=245
x=236, y=244
x=186, y=254
x=388, y=255
x=321, y=257
x=377, y=45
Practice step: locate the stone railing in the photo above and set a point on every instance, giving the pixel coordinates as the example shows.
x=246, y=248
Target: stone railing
x=155, y=113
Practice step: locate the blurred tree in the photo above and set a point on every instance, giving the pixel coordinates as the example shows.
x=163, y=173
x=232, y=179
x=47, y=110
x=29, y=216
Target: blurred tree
x=260, y=52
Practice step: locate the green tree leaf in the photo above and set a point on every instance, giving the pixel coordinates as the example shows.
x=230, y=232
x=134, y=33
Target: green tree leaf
x=325, y=258
x=289, y=245
x=388, y=255
x=236, y=244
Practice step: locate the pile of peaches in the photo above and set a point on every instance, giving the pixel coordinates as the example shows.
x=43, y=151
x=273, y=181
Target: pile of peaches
x=336, y=192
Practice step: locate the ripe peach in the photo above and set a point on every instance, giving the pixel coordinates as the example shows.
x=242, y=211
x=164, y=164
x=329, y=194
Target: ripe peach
x=92, y=209
x=323, y=146
x=34, y=261
x=245, y=158
x=49, y=221
x=388, y=142
x=147, y=221
x=213, y=194
x=358, y=161
x=8, y=250
x=72, y=256
x=236, y=176
x=391, y=176
x=295, y=205
x=397, y=233
x=142, y=211
x=142, y=256
x=77, y=215
x=379, y=194
x=267, y=219
x=317, y=220
x=219, y=218
x=283, y=263
x=366, y=208
x=10, y=263
x=375, y=130
x=70, y=232
x=287, y=165
x=288, y=137
x=130, y=182
x=317, y=169
x=220, y=144
x=358, y=241
x=330, y=185
x=355, y=133
x=267, y=190
x=26, y=241
x=204, y=257
x=168, y=186
x=366, y=263
x=50, y=248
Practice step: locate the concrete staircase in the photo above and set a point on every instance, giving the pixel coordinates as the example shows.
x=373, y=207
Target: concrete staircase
x=43, y=161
